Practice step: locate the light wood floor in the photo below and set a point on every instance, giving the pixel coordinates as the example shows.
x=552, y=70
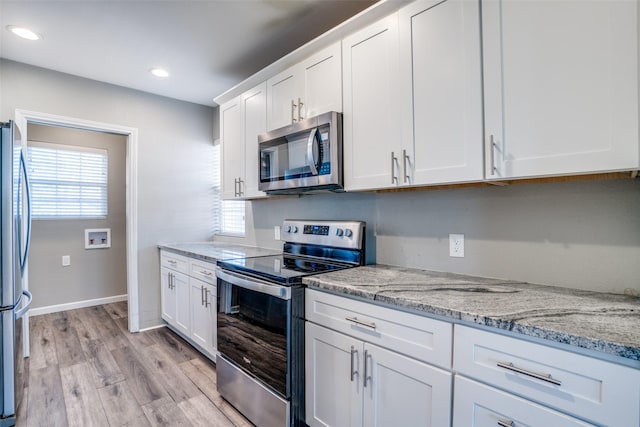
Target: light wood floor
x=87, y=370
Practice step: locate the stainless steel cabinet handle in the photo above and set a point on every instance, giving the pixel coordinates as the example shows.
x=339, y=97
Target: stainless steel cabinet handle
x=505, y=423
x=240, y=190
x=201, y=295
x=406, y=160
x=300, y=104
x=493, y=147
x=169, y=280
x=207, y=303
x=293, y=107
x=354, y=352
x=172, y=262
x=235, y=187
x=544, y=377
x=206, y=273
x=394, y=159
x=361, y=322
x=367, y=377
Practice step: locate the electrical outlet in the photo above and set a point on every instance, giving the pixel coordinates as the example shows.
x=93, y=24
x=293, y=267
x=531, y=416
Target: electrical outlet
x=66, y=260
x=456, y=245
x=276, y=232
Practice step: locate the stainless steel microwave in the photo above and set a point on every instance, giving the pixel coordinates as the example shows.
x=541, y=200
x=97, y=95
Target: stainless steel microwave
x=305, y=156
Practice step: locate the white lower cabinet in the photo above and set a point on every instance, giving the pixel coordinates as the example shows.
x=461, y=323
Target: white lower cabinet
x=188, y=299
x=203, y=314
x=351, y=381
x=478, y=405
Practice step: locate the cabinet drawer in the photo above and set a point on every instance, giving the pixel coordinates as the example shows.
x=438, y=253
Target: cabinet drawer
x=602, y=392
x=203, y=270
x=478, y=405
x=416, y=336
x=174, y=262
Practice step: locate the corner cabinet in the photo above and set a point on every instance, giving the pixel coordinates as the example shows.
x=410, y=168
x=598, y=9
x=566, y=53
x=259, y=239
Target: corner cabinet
x=307, y=89
x=241, y=121
x=560, y=87
x=365, y=365
x=441, y=92
x=188, y=299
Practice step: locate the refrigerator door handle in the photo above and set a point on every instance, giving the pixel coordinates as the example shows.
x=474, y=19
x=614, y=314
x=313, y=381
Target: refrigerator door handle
x=23, y=310
x=23, y=260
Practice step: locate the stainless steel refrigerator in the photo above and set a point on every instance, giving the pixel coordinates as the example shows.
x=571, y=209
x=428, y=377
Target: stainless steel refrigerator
x=15, y=219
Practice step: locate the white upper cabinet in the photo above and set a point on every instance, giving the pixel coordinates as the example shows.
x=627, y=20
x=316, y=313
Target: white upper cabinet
x=241, y=121
x=371, y=122
x=560, y=87
x=232, y=141
x=441, y=92
x=254, y=109
x=309, y=88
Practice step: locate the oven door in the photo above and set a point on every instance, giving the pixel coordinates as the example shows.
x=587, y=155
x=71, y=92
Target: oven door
x=254, y=327
x=302, y=156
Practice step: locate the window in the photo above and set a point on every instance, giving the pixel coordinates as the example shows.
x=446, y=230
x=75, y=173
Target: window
x=229, y=217
x=67, y=181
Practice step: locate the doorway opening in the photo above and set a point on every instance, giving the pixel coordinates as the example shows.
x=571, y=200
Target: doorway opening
x=130, y=137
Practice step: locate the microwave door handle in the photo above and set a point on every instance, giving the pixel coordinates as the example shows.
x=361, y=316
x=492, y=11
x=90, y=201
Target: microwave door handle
x=311, y=161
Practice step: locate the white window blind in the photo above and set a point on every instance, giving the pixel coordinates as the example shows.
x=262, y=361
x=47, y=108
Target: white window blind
x=67, y=181
x=229, y=213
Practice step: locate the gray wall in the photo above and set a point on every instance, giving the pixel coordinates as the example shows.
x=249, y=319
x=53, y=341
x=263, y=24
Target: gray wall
x=95, y=273
x=583, y=235
x=174, y=156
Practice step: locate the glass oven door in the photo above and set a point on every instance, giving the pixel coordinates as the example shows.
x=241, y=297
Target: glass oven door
x=254, y=326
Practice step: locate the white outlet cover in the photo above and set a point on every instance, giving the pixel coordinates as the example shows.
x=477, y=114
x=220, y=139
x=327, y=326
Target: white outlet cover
x=66, y=260
x=456, y=245
x=276, y=232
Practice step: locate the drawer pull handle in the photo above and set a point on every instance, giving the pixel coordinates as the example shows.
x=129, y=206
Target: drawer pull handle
x=206, y=273
x=367, y=377
x=543, y=377
x=360, y=322
x=505, y=423
x=353, y=371
x=170, y=261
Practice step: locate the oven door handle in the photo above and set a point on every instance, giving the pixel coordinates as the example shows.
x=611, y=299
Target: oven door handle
x=282, y=292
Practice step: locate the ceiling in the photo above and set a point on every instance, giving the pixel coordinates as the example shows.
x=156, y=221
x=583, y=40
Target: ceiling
x=208, y=46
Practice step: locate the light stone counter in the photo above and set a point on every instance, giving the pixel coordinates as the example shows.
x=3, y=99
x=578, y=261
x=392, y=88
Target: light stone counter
x=607, y=323
x=214, y=251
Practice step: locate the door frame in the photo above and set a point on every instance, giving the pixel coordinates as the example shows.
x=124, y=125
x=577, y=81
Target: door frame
x=23, y=117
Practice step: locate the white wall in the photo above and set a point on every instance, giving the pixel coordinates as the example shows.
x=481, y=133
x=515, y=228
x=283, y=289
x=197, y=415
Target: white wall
x=583, y=235
x=174, y=155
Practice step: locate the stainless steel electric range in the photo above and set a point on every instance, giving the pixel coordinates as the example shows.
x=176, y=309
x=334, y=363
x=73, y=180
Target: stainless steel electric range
x=260, y=365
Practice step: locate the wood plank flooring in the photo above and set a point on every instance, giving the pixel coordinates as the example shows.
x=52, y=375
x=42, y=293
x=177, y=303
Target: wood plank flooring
x=86, y=369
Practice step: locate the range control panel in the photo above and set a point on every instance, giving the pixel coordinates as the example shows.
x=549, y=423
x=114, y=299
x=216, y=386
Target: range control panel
x=340, y=234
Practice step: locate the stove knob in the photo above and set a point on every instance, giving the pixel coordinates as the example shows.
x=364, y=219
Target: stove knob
x=287, y=229
x=339, y=232
x=294, y=229
x=348, y=232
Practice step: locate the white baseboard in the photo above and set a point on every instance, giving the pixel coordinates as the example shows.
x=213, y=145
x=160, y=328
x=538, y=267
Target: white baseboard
x=78, y=304
x=153, y=327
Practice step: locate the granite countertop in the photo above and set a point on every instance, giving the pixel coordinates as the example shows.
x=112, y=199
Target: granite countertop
x=607, y=323
x=214, y=251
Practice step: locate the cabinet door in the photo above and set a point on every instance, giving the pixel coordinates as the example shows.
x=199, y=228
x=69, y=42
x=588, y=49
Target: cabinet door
x=283, y=91
x=333, y=382
x=231, y=134
x=478, y=405
x=401, y=391
x=322, y=81
x=254, y=105
x=183, y=308
x=441, y=92
x=167, y=296
x=200, y=314
x=560, y=87
x=371, y=122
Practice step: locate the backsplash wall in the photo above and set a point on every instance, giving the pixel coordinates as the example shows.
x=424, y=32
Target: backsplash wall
x=583, y=235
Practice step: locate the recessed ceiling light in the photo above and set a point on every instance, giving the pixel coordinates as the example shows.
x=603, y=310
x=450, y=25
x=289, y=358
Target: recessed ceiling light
x=159, y=72
x=25, y=33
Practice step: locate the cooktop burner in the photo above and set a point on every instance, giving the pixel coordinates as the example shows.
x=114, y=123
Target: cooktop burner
x=284, y=269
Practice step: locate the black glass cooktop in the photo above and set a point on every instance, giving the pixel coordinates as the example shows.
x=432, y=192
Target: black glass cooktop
x=284, y=269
